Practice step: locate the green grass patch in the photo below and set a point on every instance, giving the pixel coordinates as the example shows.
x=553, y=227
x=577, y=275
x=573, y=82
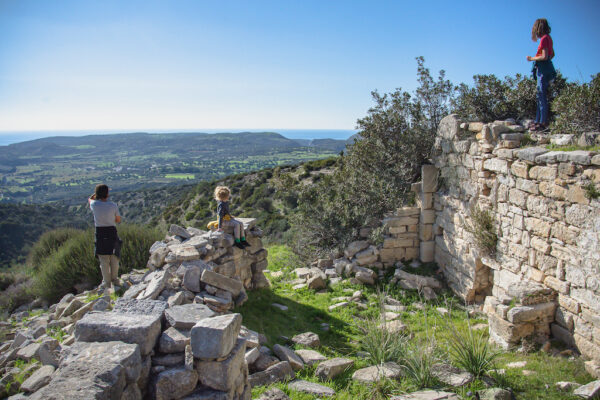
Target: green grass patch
x=429, y=338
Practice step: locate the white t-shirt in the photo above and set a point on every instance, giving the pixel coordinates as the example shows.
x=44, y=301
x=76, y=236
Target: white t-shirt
x=104, y=212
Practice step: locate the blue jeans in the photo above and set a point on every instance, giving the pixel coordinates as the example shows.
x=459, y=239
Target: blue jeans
x=541, y=112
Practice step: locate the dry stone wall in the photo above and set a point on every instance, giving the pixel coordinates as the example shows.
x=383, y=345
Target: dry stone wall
x=544, y=277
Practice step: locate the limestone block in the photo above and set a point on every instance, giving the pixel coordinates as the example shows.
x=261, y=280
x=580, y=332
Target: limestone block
x=556, y=284
x=286, y=354
x=429, y=178
x=519, y=169
x=213, y=338
x=308, y=339
x=174, y=383
x=427, y=251
x=311, y=388
x=222, y=375
x=38, y=379
x=185, y=316
x=543, y=173
x=143, y=330
x=275, y=373
x=475, y=126
x=93, y=371
x=389, y=370
x=496, y=165
x=530, y=153
x=532, y=313
x=222, y=282
x=587, y=347
x=173, y=341
x=355, y=247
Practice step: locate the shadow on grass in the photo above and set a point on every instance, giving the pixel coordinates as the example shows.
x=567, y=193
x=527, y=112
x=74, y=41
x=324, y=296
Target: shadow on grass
x=260, y=315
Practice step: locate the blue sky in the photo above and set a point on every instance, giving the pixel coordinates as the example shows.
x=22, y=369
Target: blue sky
x=68, y=65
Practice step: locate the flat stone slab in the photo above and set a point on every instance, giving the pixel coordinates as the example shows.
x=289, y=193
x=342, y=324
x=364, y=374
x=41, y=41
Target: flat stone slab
x=311, y=357
x=93, y=371
x=213, y=338
x=530, y=153
x=274, y=394
x=331, y=368
x=286, y=354
x=452, y=376
x=308, y=339
x=588, y=391
x=143, y=330
x=222, y=282
x=374, y=373
x=311, y=388
x=143, y=307
x=427, y=395
x=38, y=379
x=187, y=315
x=275, y=373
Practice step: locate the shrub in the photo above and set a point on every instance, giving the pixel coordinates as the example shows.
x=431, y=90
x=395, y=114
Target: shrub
x=491, y=98
x=483, y=228
x=471, y=350
x=48, y=243
x=74, y=262
x=577, y=108
x=591, y=192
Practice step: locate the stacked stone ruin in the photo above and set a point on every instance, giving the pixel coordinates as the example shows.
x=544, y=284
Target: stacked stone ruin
x=542, y=280
x=170, y=336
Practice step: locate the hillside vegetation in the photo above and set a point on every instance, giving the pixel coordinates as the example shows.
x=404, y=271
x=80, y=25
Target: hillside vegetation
x=68, y=168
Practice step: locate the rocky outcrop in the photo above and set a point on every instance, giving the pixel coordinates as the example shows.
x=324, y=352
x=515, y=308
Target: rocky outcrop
x=171, y=335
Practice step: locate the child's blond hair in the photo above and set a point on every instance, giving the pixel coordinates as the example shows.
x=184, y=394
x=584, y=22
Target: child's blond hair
x=222, y=192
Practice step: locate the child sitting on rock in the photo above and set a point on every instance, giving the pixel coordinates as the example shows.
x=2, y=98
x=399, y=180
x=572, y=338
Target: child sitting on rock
x=224, y=218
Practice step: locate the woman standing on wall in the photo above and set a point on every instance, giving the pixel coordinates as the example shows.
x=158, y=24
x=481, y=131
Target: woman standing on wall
x=543, y=71
x=108, y=243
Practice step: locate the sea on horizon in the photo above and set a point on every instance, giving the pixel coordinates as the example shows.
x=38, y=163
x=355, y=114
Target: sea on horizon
x=7, y=138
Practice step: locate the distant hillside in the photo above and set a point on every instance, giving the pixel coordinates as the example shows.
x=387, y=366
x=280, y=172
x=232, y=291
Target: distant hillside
x=21, y=225
x=270, y=195
x=61, y=168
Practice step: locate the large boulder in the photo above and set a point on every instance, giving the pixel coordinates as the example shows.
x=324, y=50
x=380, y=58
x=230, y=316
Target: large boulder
x=93, y=371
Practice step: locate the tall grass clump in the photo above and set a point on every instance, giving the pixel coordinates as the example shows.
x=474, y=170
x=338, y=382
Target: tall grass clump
x=483, y=229
x=381, y=344
x=418, y=362
x=48, y=243
x=471, y=350
x=74, y=262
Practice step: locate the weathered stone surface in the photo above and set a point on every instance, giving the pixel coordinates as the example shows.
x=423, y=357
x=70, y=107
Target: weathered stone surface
x=567, y=386
x=186, y=316
x=93, y=371
x=331, y=368
x=155, y=282
x=177, y=230
x=174, y=383
x=452, y=376
x=308, y=339
x=222, y=375
x=427, y=395
x=143, y=330
x=530, y=153
x=310, y=357
x=207, y=394
x=355, y=247
x=264, y=361
x=222, y=282
x=495, y=394
x=286, y=354
x=588, y=391
x=173, y=341
x=169, y=360
x=311, y=388
x=276, y=373
x=28, y=352
x=274, y=394
x=144, y=307
x=389, y=370
x=38, y=379
x=393, y=327
x=215, y=337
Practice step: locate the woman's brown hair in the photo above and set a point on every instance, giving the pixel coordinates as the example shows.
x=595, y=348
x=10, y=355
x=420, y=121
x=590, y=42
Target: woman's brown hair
x=101, y=192
x=540, y=28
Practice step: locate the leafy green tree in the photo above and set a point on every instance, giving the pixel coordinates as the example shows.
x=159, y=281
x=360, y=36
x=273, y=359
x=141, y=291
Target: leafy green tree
x=396, y=137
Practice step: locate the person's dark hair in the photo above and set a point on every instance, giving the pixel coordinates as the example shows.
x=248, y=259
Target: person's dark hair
x=101, y=192
x=540, y=28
